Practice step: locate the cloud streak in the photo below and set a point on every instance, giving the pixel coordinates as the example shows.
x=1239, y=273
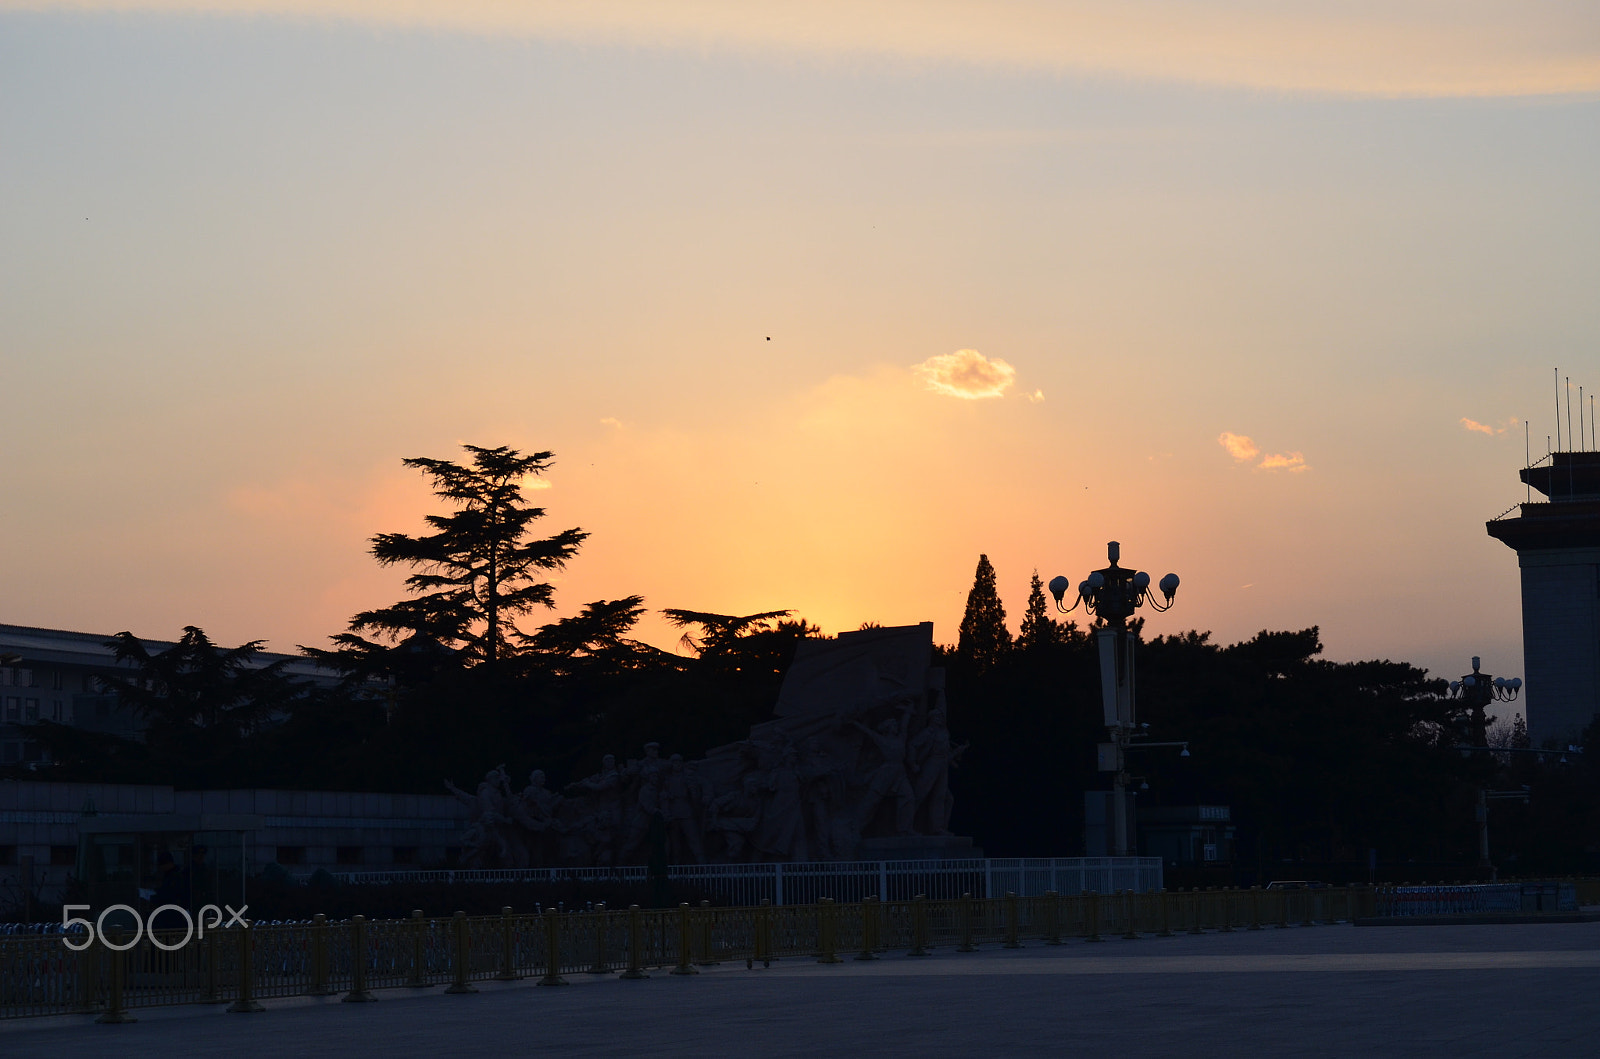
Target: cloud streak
x=1243, y=449
x=1484, y=428
x=1407, y=48
x=969, y=374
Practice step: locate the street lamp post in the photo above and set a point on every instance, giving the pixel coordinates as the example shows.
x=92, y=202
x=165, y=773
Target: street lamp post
x=1478, y=690
x=1113, y=594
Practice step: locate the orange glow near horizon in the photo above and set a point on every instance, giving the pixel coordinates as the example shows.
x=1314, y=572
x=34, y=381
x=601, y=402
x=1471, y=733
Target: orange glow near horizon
x=813, y=303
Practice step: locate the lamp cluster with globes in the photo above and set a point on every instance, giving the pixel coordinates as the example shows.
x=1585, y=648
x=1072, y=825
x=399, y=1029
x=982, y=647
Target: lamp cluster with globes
x=1113, y=594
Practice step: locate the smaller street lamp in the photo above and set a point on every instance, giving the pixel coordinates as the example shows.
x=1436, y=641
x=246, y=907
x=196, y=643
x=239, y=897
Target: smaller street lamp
x=1478, y=690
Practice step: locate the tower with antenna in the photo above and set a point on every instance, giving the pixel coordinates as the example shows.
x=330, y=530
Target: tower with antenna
x=1557, y=541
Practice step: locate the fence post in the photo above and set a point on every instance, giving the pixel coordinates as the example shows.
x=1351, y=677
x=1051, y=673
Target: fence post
x=1013, y=922
x=1255, y=908
x=760, y=947
x=89, y=978
x=1166, y=914
x=461, y=956
x=247, y=974
x=508, y=947
x=115, y=1011
x=358, y=963
x=1225, y=916
x=319, y=956
x=599, y=966
x=869, y=928
x=1130, y=910
x=919, y=926
x=685, y=936
x=1281, y=899
x=966, y=925
x=1091, y=901
x=1196, y=925
x=635, y=944
x=212, y=993
x=419, y=926
x=827, y=931
x=1307, y=908
x=707, y=923
x=1052, y=916
x=552, y=948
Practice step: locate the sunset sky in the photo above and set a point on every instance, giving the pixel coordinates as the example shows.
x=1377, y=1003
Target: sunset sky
x=814, y=302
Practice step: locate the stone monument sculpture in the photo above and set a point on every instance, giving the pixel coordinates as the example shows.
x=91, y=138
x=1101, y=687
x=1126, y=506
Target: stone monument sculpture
x=854, y=764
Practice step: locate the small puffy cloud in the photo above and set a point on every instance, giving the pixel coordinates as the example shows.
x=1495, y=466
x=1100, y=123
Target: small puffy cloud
x=967, y=373
x=1035, y=397
x=1293, y=462
x=1484, y=428
x=1240, y=447
x=1243, y=449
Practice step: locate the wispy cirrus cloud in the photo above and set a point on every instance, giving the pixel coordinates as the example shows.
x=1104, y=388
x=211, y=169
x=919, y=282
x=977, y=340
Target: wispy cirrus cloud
x=1414, y=48
x=1484, y=428
x=1244, y=449
x=969, y=374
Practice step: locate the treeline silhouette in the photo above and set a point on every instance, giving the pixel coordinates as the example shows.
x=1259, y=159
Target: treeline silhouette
x=1319, y=761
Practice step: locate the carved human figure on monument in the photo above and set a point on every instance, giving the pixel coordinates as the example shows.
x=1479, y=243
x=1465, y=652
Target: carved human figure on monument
x=932, y=758
x=889, y=780
x=487, y=841
x=604, y=820
x=825, y=791
x=645, y=805
x=763, y=755
x=783, y=824
x=534, y=810
x=735, y=816
x=678, y=792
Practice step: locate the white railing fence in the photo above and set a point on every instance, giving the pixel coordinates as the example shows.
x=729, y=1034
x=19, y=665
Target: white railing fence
x=803, y=883
x=1477, y=899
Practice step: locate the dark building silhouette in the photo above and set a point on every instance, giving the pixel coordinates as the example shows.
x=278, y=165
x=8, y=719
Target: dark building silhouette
x=1558, y=548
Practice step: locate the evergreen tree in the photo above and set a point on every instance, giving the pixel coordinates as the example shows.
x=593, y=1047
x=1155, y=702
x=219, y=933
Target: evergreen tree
x=1039, y=630
x=476, y=573
x=984, y=636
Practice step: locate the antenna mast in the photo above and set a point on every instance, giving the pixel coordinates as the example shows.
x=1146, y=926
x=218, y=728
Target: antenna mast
x=1527, y=460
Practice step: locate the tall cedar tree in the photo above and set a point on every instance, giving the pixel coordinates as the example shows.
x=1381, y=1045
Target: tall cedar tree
x=478, y=571
x=984, y=636
x=1039, y=630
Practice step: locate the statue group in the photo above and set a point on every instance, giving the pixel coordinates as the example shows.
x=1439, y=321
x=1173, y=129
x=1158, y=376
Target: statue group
x=858, y=751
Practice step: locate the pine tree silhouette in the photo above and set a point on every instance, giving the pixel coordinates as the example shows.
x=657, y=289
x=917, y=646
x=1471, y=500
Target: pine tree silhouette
x=1039, y=630
x=984, y=636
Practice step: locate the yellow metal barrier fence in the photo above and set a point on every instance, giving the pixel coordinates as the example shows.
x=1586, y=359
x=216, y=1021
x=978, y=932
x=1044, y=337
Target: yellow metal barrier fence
x=42, y=975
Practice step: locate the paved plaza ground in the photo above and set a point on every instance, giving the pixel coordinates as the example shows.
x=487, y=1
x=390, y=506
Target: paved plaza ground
x=1512, y=990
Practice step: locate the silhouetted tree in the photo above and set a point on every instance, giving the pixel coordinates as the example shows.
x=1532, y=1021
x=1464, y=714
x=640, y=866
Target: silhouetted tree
x=717, y=630
x=1040, y=631
x=984, y=636
x=596, y=639
x=197, y=686
x=202, y=708
x=476, y=573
